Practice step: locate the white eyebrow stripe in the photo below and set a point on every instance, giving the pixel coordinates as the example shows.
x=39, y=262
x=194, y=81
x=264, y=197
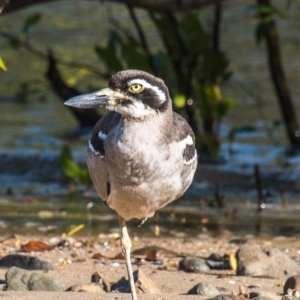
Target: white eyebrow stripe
x=161, y=95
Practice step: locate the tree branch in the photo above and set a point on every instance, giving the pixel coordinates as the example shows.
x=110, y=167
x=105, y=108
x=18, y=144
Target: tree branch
x=153, y=5
x=141, y=35
x=86, y=117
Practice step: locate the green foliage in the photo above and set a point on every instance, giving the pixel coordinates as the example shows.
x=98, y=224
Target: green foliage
x=109, y=58
x=2, y=65
x=71, y=170
x=31, y=21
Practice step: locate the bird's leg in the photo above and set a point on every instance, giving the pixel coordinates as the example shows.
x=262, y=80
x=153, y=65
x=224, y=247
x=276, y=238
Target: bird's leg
x=126, y=247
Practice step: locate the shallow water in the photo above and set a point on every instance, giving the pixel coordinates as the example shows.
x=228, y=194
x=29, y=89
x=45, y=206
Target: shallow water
x=37, y=127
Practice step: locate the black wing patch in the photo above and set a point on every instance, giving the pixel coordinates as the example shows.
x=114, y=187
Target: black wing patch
x=189, y=152
x=98, y=145
x=108, y=188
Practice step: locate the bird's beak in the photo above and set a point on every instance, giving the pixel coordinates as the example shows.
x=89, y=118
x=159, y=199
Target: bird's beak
x=103, y=98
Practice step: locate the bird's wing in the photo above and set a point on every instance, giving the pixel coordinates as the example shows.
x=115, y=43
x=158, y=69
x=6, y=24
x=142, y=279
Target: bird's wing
x=96, y=153
x=184, y=136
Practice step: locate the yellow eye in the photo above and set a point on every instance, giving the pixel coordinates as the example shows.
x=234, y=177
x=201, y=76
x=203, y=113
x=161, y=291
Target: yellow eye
x=135, y=88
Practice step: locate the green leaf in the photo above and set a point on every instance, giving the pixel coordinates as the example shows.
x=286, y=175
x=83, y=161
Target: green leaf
x=160, y=61
x=2, y=65
x=168, y=31
x=265, y=9
x=85, y=176
x=232, y=134
x=69, y=167
x=261, y=31
x=113, y=41
x=31, y=21
x=193, y=35
x=134, y=59
x=109, y=58
x=224, y=105
x=214, y=65
x=179, y=100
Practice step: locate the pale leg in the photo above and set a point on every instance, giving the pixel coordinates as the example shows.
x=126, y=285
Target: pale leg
x=126, y=247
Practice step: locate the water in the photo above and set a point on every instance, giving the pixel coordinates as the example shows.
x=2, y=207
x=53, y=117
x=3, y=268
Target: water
x=38, y=127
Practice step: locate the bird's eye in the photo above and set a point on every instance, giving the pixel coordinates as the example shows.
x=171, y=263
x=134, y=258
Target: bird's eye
x=135, y=88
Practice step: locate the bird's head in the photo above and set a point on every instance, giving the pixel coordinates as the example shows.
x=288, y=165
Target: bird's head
x=131, y=93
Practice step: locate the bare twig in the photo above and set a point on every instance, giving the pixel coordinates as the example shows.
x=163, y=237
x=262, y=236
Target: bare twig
x=260, y=196
x=141, y=35
x=216, y=25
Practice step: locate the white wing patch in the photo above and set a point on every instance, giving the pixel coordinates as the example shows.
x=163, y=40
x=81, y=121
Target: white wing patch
x=187, y=141
x=161, y=95
x=102, y=136
x=92, y=148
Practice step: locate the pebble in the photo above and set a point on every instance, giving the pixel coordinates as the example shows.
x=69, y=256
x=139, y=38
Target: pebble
x=229, y=297
x=262, y=295
x=205, y=289
x=22, y=280
x=143, y=284
x=25, y=262
x=292, y=283
x=195, y=265
x=254, y=260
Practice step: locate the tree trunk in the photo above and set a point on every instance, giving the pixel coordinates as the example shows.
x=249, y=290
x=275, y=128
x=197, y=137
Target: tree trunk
x=279, y=81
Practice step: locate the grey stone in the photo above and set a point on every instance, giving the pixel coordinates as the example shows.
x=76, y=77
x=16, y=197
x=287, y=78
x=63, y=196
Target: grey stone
x=205, y=289
x=256, y=261
x=292, y=283
x=143, y=284
x=229, y=297
x=25, y=262
x=264, y=298
x=262, y=295
x=22, y=280
x=196, y=265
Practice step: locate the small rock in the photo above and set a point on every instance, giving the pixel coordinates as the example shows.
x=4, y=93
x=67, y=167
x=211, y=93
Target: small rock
x=100, y=279
x=264, y=298
x=262, y=295
x=205, y=289
x=196, y=265
x=91, y=288
x=143, y=284
x=256, y=261
x=21, y=280
x=25, y=262
x=292, y=283
x=216, y=261
x=229, y=297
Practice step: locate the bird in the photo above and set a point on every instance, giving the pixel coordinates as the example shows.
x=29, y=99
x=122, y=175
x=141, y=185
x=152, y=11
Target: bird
x=141, y=155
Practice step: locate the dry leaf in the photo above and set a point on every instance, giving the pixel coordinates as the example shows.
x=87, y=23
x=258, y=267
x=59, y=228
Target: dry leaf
x=35, y=246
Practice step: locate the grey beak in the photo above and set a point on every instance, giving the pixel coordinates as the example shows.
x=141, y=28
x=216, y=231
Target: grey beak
x=91, y=100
